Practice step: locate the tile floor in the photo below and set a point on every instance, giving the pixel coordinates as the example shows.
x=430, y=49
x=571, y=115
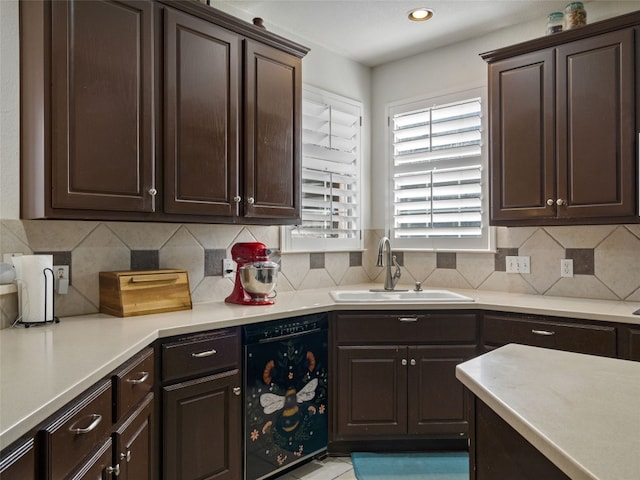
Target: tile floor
x=329, y=468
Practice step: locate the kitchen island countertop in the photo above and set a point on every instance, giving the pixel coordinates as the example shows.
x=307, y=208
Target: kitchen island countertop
x=580, y=411
x=44, y=367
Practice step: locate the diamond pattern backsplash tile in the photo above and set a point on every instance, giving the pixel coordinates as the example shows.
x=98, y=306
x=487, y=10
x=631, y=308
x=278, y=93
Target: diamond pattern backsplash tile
x=606, y=259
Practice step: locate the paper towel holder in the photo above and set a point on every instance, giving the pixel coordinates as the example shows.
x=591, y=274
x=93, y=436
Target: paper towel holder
x=54, y=319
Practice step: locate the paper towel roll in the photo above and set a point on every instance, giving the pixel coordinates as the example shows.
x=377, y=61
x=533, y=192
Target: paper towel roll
x=36, y=279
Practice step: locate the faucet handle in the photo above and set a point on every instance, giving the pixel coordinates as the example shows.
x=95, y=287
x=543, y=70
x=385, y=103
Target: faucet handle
x=418, y=287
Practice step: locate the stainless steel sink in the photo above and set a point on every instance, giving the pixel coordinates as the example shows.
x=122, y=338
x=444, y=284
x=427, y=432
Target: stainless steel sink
x=392, y=296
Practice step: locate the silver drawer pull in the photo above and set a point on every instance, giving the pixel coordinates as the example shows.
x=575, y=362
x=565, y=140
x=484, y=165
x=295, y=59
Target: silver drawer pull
x=413, y=362
x=137, y=381
x=237, y=391
x=408, y=319
x=115, y=471
x=208, y=353
x=404, y=361
x=95, y=421
x=544, y=333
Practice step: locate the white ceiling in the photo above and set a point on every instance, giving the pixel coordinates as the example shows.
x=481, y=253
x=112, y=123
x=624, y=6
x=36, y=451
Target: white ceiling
x=374, y=32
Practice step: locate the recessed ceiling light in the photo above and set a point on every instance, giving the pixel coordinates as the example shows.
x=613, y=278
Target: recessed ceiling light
x=421, y=14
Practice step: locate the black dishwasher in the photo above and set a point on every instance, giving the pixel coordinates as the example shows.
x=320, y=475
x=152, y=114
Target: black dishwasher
x=285, y=393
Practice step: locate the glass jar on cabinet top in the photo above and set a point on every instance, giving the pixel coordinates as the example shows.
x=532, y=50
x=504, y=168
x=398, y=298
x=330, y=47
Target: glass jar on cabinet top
x=555, y=21
x=574, y=15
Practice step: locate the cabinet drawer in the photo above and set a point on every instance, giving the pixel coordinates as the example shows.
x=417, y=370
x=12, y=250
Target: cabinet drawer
x=132, y=382
x=573, y=337
x=76, y=431
x=405, y=327
x=200, y=354
x=19, y=463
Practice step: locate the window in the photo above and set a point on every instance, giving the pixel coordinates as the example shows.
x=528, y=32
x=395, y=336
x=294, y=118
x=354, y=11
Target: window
x=437, y=174
x=330, y=175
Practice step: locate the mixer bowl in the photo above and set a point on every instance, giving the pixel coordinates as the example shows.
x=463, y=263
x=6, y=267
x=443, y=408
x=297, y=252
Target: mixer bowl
x=259, y=279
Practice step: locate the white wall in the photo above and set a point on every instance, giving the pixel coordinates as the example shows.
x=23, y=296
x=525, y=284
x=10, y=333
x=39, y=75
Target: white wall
x=332, y=72
x=454, y=68
x=9, y=108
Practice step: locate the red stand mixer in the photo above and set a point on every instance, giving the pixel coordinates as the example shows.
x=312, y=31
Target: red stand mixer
x=256, y=275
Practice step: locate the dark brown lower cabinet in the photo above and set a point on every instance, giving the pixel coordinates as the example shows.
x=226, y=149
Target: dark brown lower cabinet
x=202, y=428
x=98, y=466
x=400, y=390
x=557, y=333
x=498, y=452
x=19, y=463
x=74, y=433
x=629, y=343
x=134, y=442
x=393, y=378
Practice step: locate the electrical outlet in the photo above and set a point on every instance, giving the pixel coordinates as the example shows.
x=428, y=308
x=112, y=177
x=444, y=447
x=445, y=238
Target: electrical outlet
x=228, y=268
x=524, y=264
x=61, y=274
x=512, y=264
x=566, y=267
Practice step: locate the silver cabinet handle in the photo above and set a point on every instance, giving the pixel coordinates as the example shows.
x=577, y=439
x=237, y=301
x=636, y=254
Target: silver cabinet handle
x=250, y=201
x=544, y=333
x=236, y=390
x=404, y=361
x=408, y=319
x=137, y=381
x=413, y=362
x=115, y=471
x=153, y=192
x=550, y=202
x=208, y=353
x=95, y=421
x=237, y=199
x=559, y=202
x=126, y=456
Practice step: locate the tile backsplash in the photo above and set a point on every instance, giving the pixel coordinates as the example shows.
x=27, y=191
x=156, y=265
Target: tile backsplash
x=606, y=259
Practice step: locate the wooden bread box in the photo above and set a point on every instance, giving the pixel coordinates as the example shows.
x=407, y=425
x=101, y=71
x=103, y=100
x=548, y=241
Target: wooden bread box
x=126, y=294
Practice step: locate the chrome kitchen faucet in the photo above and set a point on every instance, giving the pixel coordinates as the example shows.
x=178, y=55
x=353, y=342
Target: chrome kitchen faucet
x=390, y=279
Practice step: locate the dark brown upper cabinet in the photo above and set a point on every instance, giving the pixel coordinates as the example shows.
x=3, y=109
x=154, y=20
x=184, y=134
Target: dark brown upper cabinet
x=135, y=110
x=87, y=142
x=273, y=93
x=202, y=101
x=563, y=121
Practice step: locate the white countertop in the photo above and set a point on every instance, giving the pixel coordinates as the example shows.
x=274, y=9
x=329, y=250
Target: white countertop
x=42, y=368
x=581, y=411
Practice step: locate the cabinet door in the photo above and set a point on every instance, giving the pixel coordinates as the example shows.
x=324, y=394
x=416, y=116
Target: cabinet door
x=371, y=391
x=202, y=428
x=438, y=403
x=102, y=105
x=201, y=116
x=135, y=444
x=596, y=126
x=522, y=157
x=273, y=89
x=98, y=465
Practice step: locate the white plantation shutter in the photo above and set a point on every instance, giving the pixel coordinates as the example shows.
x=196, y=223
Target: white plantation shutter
x=330, y=174
x=437, y=176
